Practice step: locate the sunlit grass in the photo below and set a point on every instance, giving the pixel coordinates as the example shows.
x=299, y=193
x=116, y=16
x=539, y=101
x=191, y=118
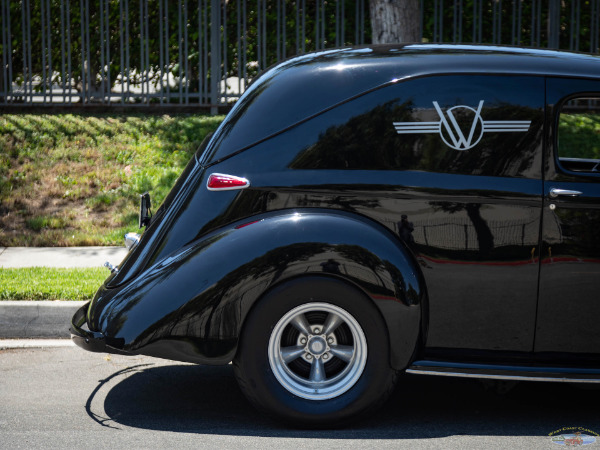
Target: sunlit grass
x=44, y=283
x=74, y=179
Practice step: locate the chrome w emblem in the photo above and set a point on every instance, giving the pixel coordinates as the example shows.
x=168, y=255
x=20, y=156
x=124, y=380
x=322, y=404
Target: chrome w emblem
x=465, y=137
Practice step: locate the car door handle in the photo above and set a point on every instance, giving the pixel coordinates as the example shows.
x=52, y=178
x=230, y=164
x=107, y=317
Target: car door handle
x=555, y=192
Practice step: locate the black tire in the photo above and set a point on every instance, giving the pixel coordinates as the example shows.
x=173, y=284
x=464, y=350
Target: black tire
x=255, y=374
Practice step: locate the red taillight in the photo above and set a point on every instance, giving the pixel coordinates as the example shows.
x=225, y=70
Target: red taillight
x=222, y=182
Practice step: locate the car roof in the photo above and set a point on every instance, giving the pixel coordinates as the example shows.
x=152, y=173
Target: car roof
x=427, y=59
x=307, y=85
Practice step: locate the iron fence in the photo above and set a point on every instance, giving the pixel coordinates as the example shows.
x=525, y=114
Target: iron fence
x=203, y=53
x=557, y=24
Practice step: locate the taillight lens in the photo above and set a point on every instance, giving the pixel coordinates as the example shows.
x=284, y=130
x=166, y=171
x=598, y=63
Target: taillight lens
x=222, y=182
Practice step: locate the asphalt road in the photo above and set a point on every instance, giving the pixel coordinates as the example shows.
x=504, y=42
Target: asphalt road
x=68, y=398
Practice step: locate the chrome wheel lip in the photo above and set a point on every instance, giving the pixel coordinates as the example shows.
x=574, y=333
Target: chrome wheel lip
x=330, y=387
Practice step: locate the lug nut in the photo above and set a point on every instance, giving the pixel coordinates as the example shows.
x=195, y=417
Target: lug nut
x=317, y=330
x=303, y=341
x=308, y=356
x=325, y=356
x=330, y=340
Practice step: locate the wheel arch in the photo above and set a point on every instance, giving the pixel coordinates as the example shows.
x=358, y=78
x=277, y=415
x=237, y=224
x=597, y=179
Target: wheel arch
x=399, y=295
x=395, y=356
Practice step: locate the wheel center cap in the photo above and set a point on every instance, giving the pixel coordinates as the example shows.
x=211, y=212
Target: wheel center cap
x=317, y=345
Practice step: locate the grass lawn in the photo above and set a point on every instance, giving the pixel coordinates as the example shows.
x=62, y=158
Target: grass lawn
x=579, y=135
x=74, y=179
x=43, y=283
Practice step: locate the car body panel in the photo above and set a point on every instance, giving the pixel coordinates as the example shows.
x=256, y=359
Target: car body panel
x=434, y=162
x=569, y=301
x=351, y=158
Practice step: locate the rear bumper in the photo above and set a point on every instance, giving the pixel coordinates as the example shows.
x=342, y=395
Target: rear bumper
x=92, y=341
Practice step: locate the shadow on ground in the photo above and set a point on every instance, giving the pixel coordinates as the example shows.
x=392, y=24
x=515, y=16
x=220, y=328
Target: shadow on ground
x=207, y=400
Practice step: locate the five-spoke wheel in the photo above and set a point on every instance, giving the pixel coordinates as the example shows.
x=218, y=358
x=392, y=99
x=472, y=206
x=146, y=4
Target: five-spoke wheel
x=317, y=351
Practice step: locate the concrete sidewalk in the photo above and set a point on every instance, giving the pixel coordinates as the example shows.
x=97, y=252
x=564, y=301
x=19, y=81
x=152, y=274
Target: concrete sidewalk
x=60, y=256
x=47, y=319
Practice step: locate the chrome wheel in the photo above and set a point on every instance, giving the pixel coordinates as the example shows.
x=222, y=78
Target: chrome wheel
x=317, y=351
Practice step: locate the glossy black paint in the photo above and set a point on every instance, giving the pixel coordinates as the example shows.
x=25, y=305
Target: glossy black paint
x=194, y=302
x=569, y=305
x=331, y=182
x=363, y=166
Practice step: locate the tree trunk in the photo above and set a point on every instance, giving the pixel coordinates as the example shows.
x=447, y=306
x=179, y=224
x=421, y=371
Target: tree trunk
x=2, y=69
x=395, y=21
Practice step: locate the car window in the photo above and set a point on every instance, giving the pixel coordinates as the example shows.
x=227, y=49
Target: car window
x=579, y=135
x=468, y=124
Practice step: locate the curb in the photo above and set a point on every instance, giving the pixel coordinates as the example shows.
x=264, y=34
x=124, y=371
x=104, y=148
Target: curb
x=36, y=319
x=13, y=344
x=29, y=319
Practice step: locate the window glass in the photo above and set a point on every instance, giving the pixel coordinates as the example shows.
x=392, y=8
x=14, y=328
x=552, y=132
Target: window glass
x=579, y=135
x=467, y=124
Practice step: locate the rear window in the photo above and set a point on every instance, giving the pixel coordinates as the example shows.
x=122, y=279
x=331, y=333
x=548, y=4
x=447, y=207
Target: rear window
x=579, y=135
x=295, y=90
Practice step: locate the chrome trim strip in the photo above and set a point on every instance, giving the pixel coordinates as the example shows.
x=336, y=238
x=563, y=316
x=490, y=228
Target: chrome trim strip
x=502, y=377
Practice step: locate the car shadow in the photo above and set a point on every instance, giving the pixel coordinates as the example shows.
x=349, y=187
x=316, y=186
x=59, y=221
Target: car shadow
x=207, y=400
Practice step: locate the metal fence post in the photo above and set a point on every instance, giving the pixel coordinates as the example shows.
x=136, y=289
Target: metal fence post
x=553, y=23
x=215, y=53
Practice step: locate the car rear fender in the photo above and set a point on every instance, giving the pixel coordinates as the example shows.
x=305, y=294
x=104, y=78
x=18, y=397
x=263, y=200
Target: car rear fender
x=191, y=305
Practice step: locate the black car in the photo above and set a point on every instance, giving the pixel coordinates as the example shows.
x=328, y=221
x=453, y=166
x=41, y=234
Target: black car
x=431, y=209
